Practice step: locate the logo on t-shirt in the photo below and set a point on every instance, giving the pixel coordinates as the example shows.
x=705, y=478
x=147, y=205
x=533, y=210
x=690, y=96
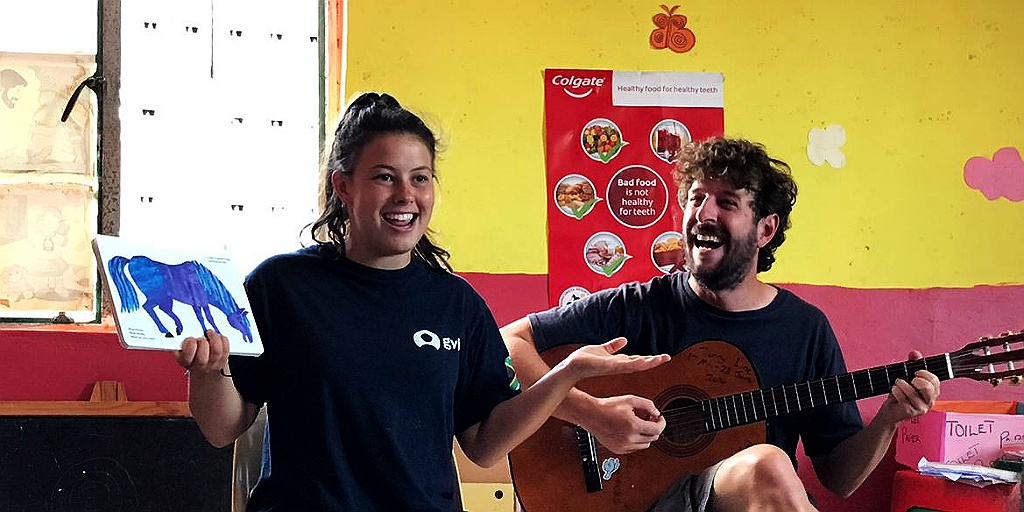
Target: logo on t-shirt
x=426, y=338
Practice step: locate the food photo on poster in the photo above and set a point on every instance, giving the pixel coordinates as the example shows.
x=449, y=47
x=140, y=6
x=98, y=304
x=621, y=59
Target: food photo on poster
x=602, y=140
x=667, y=138
x=605, y=253
x=575, y=195
x=667, y=252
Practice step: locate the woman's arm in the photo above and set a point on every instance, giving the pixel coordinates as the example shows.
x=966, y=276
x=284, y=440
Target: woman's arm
x=622, y=423
x=219, y=410
x=513, y=420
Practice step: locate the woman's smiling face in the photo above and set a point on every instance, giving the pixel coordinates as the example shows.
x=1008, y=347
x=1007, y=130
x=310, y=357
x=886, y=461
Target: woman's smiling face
x=390, y=198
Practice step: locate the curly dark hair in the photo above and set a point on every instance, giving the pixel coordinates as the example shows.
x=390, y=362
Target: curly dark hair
x=743, y=164
x=368, y=117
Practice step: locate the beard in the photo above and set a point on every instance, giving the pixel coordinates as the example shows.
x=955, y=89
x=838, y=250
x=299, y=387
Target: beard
x=734, y=265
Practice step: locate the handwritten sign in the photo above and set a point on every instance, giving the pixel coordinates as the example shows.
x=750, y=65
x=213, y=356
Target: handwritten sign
x=957, y=438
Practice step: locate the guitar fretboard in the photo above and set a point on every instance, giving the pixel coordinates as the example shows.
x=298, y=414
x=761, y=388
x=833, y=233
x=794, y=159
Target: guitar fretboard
x=753, y=406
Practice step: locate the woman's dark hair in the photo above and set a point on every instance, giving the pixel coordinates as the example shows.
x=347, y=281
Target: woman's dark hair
x=371, y=115
x=743, y=164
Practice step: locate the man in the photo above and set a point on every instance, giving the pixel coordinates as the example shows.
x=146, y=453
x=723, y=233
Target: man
x=737, y=202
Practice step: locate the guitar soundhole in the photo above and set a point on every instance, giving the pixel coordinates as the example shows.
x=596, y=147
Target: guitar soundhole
x=684, y=433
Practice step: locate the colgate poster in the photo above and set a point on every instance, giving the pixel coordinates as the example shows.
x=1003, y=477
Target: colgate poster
x=612, y=138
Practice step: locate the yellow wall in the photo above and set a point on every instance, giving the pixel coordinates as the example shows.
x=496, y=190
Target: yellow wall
x=918, y=87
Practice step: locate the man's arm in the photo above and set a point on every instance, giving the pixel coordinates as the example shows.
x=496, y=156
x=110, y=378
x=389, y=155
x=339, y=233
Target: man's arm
x=623, y=424
x=846, y=467
x=513, y=420
x=215, y=404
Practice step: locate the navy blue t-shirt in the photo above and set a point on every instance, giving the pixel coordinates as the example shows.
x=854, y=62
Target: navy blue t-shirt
x=367, y=375
x=788, y=341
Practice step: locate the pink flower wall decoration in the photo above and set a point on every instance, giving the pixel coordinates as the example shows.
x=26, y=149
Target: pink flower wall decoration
x=1002, y=176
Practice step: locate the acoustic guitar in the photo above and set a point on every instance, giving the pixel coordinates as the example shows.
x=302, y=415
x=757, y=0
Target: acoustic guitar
x=711, y=401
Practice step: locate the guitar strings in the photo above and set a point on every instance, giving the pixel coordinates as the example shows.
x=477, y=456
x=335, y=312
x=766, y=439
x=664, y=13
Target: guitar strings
x=697, y=425
x=690, y=409
x=700, y=418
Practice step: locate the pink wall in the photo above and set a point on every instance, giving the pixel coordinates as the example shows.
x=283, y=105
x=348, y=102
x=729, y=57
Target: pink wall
x=874, y=327
x=63, y=365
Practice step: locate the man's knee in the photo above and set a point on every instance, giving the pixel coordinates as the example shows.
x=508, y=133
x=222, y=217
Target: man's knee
x=760, y=478
x=760, y=472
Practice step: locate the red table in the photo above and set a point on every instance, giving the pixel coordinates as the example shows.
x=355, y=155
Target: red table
x=912, y=489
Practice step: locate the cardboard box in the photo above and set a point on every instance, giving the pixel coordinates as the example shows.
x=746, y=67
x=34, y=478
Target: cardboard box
x=958, y=437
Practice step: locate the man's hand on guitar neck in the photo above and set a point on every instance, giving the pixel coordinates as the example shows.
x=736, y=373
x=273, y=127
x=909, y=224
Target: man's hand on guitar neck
x=910, y=399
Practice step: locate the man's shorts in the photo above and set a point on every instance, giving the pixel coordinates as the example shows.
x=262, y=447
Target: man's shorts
x=690, y=493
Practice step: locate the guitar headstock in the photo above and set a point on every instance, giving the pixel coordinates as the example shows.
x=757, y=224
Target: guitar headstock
x=991, y=359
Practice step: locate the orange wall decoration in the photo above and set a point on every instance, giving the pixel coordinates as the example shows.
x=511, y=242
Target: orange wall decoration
x=671, y=32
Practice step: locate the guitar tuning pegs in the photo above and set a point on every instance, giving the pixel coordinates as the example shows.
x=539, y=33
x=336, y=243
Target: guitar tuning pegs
x=1005, y=334
x=995, y=382
x=1016, y=380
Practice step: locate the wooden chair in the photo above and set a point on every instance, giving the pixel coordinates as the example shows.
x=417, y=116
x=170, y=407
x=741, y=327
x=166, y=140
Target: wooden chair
x=248, y=462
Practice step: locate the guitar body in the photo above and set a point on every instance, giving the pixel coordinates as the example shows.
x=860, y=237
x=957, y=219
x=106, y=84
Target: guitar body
x=546, y=468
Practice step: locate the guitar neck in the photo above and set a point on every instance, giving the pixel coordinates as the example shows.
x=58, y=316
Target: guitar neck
x=753, y=406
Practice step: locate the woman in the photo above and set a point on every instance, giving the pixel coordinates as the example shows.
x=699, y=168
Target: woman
x=375, y=353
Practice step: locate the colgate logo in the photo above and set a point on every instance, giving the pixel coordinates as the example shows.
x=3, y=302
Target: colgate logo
x=574, y=82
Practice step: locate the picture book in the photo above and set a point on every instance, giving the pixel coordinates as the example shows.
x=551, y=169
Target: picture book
x=162, y=296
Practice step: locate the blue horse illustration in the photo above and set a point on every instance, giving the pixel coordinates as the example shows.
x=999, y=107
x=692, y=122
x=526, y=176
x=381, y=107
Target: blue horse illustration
x=190, y=283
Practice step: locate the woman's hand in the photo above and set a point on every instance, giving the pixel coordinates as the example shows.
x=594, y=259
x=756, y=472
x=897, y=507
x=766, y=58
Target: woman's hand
x=597, y=360
x=207, y=354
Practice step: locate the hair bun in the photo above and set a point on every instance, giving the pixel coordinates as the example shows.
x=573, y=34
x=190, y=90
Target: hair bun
x=363, y=101
x=368, y=100
x=388, y=101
